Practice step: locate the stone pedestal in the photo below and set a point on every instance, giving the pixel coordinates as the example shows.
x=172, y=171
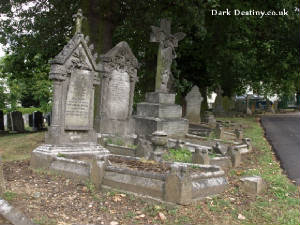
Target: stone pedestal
x=160, y=113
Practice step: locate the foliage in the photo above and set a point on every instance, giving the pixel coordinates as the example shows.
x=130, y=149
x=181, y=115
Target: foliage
x=178, y=155
x=233, y=51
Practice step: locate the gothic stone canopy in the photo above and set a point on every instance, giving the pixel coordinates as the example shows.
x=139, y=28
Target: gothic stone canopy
x=120, y=58
x=75, y=55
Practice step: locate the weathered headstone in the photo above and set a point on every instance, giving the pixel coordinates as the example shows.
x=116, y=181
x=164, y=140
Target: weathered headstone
x=1, y=121
x=159, y=112
x=209, y=118
x=200, y=156
x=37, y=121
x=15, y=121
x=74, y=74
x=166, y=52
x=193, y=105
x=218, y=105
x=117, y=90
x=26, y=119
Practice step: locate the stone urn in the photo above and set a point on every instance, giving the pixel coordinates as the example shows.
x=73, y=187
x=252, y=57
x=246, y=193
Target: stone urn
x=159, y=141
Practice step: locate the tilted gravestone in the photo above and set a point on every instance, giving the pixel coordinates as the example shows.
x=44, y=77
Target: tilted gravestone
x=193, y=105
x=15, y=121
x=117, y=90
x=159, y=112
x=1, y=121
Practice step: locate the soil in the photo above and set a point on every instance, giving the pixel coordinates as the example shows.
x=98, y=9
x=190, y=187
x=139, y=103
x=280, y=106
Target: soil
x=141, y=165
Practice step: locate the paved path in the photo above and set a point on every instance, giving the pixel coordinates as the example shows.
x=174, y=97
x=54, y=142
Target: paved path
x=283, y=133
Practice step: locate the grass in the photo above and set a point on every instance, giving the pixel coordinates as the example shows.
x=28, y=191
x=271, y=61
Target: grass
x=19, y=146
x=178, y=155
x=9, y=195
x=279, y=204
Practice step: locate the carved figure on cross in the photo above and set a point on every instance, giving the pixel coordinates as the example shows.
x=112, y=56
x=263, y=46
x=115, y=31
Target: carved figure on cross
x=166, y=52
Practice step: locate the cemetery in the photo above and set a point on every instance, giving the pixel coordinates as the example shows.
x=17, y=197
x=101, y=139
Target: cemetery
x=109, y=158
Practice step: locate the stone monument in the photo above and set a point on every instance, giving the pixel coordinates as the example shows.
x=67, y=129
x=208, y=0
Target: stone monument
x=36, y=121
x=117, y=90
x=218, y=105
x=74, y=74
x=159, y=112
x=193, y=105
x=15, y=121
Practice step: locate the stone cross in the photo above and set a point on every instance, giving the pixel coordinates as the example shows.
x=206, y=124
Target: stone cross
x=78, y=17
x=166, y=52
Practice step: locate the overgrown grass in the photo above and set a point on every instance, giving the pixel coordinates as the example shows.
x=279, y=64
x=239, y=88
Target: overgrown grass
x=178, y=155
x=19, y=146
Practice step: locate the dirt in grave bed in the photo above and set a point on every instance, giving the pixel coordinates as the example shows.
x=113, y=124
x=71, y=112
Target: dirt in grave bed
x=140, y=164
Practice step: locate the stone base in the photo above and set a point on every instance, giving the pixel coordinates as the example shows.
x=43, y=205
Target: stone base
x=162, y=98
x=148, y=125
x=65, y=159
x=160, y=113
x=117, y=127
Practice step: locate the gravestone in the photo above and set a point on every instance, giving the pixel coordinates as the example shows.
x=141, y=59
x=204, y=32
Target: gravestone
x=218, y=105
x=37, y=121
x=74, y=74
x=117, y=90
x=1, y=121
x=15, y=121
x=26, y=118
x=48, y=119
x=193, y=105
x=159, y=112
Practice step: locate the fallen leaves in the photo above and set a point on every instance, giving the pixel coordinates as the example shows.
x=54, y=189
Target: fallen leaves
x=162, y=216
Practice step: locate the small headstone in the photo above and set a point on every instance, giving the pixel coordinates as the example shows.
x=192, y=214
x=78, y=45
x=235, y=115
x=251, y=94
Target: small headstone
x=219, y=131
x=238, y=134
x=1, y=121
x=235, y=156
x=48, y=119
x=117, y=90
x=26, y=119
x=193, y=105
x=15, y=121
x=38, y=121
x=209, y=118
x=218, y=105
x=200, y=156
x=253, y=185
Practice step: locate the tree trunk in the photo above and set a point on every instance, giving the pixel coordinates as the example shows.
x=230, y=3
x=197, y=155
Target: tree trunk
x=101, y=21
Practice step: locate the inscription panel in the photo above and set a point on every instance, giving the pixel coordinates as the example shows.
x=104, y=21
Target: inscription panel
x=78, y=101
x=118, y=95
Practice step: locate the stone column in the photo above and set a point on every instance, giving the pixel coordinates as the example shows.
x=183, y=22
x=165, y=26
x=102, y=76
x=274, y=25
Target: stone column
x=57, y=103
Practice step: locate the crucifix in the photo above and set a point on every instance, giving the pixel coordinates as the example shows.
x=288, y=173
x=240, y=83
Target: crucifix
x=166, y=52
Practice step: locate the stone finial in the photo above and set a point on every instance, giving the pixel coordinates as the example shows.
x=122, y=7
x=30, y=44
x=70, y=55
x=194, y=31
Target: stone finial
x=78, y=18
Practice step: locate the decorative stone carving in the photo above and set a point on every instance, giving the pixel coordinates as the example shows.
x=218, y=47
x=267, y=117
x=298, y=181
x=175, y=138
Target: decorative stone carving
x=117, y=90
x=166, y=52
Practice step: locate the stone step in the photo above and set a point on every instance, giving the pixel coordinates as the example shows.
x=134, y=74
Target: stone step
x=158, y=97
x=147, y=109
